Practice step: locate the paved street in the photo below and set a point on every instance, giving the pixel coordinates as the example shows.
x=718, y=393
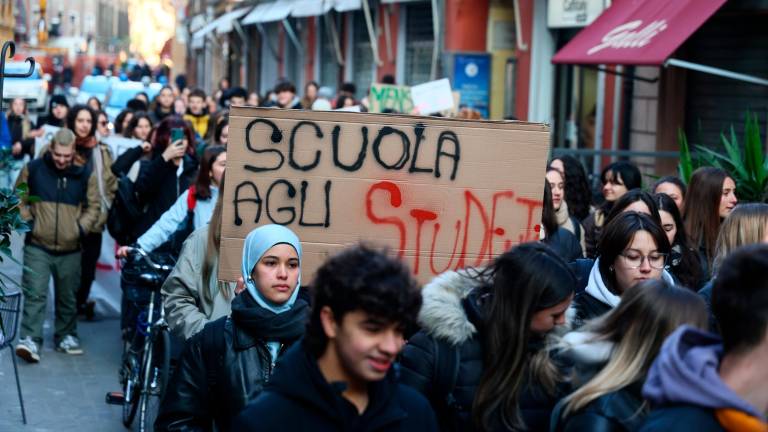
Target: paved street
x=63, y=393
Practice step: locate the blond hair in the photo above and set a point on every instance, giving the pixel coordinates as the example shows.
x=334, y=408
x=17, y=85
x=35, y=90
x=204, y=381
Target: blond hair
x=647, y=314
x=747, y=224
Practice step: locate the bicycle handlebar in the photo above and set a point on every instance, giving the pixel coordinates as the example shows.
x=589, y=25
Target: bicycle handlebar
x=145, y=256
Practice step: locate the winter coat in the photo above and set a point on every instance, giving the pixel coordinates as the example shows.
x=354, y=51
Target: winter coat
x=565, y=244
x=20, y=127
x=157, y=115
x=298, y=398
x=214, y=381
x=706, y=294
x=100, y=163
x=68, y=206
x=170, y=221
x=199, y=123
x=618, y=411
x=451, y=315
x=597, y=299
x=186, y=309
x=157, y=185
x=588, y=356
x=684, y=386
x=593, y=229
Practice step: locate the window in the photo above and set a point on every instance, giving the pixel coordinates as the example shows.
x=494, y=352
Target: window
x=329, y=66
x=362, y=57
x=419, y=41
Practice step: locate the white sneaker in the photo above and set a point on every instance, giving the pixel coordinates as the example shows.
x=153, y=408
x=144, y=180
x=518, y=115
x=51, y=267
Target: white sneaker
x=28, y=350
x=70, y=345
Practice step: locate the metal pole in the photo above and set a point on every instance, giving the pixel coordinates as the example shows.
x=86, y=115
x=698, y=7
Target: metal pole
x=9, y=50
x=597, y=139
x=716, y=71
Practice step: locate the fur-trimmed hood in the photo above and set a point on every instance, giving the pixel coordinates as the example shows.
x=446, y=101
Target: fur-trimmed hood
x=442, y=313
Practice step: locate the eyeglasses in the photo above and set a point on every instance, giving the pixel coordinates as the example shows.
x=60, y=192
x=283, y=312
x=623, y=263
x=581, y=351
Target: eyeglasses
x=655, y=260
x=103, y=123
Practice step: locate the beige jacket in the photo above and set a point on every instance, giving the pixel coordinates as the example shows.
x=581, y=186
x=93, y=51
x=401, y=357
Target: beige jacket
x=186, y=310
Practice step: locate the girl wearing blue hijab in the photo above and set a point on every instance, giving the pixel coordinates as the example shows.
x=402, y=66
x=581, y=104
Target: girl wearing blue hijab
x=241, y=350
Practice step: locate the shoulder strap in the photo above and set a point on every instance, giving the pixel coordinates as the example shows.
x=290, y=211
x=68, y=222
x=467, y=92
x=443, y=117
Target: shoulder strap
x=191, y=198
x=446, y=371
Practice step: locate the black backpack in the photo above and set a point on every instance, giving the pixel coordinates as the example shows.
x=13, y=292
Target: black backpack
x=125, y=212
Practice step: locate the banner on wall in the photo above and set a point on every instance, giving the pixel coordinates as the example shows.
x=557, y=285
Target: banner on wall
x=439, y=193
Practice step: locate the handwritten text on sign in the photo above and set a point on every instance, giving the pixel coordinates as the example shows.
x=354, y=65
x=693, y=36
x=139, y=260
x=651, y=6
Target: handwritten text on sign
x=442, y=194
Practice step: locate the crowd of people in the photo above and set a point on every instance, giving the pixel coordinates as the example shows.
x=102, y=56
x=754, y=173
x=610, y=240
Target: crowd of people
x=645, y=310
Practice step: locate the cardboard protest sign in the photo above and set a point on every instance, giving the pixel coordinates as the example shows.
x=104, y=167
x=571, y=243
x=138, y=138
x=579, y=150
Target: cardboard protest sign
x=390, y=97
x=433, y=96
x=440, y=193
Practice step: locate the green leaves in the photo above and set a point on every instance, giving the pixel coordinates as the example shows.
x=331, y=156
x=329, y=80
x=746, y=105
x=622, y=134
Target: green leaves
x=10, y=222
x=749, y=168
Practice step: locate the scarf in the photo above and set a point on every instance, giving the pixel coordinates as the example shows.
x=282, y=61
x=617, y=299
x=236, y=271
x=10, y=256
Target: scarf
x=274, y=328
x=597, y=289
x=88, y=142
x=563, y=218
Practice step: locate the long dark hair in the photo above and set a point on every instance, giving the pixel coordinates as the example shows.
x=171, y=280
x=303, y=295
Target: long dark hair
x=160, y=137
x=672, y=180
x=119, y=120
x=518, y=290
x=128, y=132
x=618, y=234
x=688, y=270
x=548, y=214
x=578, y=194
x=72, y=116
x=630, y=198
x=203, y=182
x=627, y=173
x=702, y=208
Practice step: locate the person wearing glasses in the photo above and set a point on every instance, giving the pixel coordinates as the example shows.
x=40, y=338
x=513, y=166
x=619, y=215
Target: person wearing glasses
x=102, y=125
x=633, y=248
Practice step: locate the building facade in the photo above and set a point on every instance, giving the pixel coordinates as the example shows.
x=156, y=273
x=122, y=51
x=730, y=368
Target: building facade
x=597, y=111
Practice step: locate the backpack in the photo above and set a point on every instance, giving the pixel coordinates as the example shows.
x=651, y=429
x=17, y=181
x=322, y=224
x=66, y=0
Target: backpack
x=125, y=212
x=446, y=372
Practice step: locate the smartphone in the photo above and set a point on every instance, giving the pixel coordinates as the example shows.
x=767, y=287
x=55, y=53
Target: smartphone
x=177, y=134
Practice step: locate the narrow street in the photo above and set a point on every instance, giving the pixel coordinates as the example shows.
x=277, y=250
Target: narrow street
x=63, y=393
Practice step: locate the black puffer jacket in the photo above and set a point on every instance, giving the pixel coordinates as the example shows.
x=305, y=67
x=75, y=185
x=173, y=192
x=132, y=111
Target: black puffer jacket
x=299, y=398
x=451, y=315
x=617, y=411
x=216, y=378
x=157, y=185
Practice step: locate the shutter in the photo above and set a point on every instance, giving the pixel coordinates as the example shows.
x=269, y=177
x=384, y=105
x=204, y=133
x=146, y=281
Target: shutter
x=734, y=42
x=419, y=41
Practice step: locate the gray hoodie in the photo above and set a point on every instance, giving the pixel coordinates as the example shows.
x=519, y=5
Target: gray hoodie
x=686, y=372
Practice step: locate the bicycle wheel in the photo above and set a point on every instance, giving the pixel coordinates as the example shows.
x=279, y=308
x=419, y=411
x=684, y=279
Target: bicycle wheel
x=130, y=389
x=156, y=379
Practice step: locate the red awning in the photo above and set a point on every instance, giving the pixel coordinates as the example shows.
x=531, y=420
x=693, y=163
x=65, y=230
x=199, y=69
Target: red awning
x=637, y=32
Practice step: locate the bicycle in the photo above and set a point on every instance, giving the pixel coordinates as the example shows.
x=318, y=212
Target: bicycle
x=147, y=346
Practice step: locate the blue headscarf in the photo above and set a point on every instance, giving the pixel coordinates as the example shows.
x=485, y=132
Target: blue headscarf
x=256, y=244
